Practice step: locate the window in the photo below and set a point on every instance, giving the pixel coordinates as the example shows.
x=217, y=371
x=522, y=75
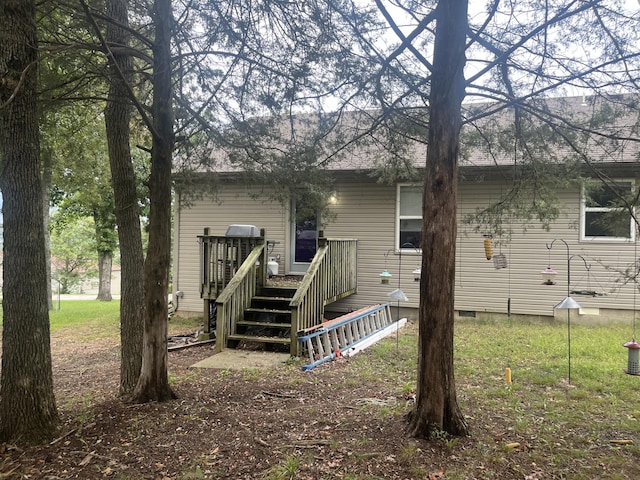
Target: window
x=604, y=216
x=409, y=223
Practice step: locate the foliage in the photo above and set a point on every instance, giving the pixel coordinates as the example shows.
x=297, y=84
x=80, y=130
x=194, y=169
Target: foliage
x=73, y=251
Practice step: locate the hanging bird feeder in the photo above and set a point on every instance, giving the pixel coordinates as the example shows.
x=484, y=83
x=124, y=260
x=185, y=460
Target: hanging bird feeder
x=633, y=366
x=417, y=273
x=500, y=261
x=549, y=276
x=488, y=251
x=385, y=276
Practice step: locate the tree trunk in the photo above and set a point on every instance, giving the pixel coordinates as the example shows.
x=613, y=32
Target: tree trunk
x=117, y=118
x=28, y=411
x=153, y=384
x=436, y=408
x=105, y=261
x=46, y=184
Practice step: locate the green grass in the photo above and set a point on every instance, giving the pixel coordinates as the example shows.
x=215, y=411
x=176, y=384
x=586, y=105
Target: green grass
x=567, y=423
x=86, y=313
x=89, y=314
x=102, y=317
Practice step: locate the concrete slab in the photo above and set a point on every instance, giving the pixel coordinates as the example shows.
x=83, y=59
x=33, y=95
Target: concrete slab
x=232, y=359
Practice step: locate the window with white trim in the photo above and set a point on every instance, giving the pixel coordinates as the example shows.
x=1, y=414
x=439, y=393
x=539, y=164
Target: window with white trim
x=604, y=215
x=409, y=218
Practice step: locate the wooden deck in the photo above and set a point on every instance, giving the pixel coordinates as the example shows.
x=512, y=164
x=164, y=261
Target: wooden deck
x=247, y=307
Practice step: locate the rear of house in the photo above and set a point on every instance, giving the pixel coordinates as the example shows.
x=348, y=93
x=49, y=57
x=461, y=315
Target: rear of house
x=591, y=234
x=385, y=220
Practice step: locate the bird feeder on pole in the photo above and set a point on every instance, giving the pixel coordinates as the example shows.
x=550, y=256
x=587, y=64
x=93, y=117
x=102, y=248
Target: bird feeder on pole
x=633, y=365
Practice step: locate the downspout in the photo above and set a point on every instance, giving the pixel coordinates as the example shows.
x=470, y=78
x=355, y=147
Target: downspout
x=176, y=293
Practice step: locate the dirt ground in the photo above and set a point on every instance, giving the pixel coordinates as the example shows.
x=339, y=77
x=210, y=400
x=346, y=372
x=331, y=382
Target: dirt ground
x=278, y=423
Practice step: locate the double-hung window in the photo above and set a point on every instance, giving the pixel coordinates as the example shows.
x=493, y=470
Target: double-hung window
x=605, y=216
x=409, y=218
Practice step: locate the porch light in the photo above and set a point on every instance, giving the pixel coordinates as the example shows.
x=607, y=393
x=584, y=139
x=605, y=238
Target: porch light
x=333, y=198
x=417, y=273
x=385, y=276
x=548, y=276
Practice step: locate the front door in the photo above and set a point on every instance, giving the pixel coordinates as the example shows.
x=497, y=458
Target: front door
x=304, y=238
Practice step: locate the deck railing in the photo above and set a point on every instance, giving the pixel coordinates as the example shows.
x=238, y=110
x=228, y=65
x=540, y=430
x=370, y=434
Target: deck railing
x=237, y=295
x=221, y=258
x=331, y=276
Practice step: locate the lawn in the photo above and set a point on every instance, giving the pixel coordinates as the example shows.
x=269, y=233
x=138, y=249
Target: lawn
x=345, y=419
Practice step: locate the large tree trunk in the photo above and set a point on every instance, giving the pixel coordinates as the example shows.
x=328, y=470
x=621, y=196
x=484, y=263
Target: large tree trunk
x=28, y=411
x=117, y=118
x=46, y=197
x=436, y=408
x=105, y=262
x=153, y=384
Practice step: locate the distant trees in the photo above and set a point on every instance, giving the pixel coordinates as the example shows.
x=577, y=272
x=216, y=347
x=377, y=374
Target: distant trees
x=74, y=252
x=79, y=180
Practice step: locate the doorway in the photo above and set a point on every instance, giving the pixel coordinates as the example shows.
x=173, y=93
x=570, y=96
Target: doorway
x=304, y=236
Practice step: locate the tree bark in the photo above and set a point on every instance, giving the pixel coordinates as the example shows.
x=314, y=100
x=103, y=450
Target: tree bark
x=105, y=262
x=46, y=185
x=28, y=411
x=117, y=119
x=153, y=384
x=436, y=410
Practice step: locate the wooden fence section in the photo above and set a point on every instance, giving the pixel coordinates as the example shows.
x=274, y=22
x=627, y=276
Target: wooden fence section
x=331, y=276
x=237, y=295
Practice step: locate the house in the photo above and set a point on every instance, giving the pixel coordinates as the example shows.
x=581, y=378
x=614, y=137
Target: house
x=385, y=219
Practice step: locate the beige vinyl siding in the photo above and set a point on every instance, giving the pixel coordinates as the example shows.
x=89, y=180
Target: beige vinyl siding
x=482, y=288
x=367, y=211
x=234, y=205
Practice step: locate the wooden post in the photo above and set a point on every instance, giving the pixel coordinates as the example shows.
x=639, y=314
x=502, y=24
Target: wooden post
x=262, y=272
x=205, y=287
x=204, y=266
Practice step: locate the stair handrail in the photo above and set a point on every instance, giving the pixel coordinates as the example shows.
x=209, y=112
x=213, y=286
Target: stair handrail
x=331, y=276
x=237, y=295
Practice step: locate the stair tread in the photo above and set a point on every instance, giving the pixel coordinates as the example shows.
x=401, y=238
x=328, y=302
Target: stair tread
x=263, y=324
x=252, y=338
x=266, y=310
x=274, y=299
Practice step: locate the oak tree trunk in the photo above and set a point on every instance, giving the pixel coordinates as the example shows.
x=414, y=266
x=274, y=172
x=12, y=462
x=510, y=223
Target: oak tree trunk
x=117, y=118
x=28, y=411
x=436, y=410
x=153, y=384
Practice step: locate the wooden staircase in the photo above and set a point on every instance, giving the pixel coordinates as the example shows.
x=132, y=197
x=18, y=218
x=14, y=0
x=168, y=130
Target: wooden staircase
x=267, y=320
x=245, y=308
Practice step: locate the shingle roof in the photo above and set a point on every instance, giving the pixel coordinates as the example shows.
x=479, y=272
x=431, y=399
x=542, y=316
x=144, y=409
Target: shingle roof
x=598, y=129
